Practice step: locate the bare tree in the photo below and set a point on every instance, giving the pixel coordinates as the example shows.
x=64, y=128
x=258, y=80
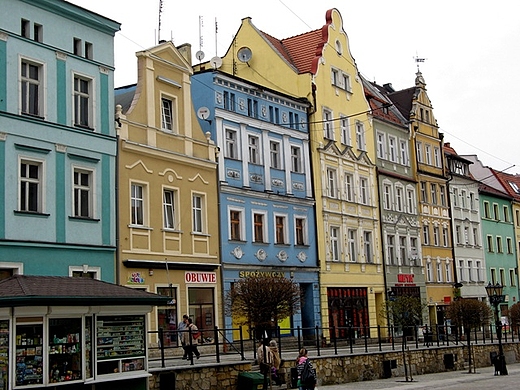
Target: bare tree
x=469, y=314
x=514, y=316
x=263, y=300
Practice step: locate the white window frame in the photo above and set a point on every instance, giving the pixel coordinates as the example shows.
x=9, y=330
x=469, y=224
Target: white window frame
x=349, y=187
x=352, y=244
x=262, y=213
x=328, y=124
x=426, y=234
x=78, y=116
x=305, y=233
x=368, y=247
x=360, y=136
x=285, y=231
x=169, y=208
x=89, y=189
x=380, y=139
x=436, y=236
x=39, y=182
x=241, y=224
x=428, y=153
x=419, y=151
x=26, y=88
x=334, y=243
x=440, y=276
x=345, y=130
x=399, y=198
x=410, y=199
x=387, y=196
x=168, y=118
x=140, y=201
x=198, y=212
x=405, y=159
x=364, y=196
x=232, y=150
x=449, y=278
x=390, y=249
x=253, y=142
x=296, y=159
x=429, y=272
x=392, y=149
x=275, y=154
x=332, y=183
x=437, y=156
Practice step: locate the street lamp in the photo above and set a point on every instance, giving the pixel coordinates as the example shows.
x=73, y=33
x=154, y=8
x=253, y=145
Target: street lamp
x=496, y=297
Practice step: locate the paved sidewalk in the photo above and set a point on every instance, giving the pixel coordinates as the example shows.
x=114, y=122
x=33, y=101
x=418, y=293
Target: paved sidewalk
x=484, y=378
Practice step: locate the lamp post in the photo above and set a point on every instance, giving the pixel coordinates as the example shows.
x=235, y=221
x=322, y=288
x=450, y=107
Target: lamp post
x=496, y=297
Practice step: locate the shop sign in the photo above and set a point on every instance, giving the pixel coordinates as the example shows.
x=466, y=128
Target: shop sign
x=135, y=278
x=264, y=274
x=200, y=277
x=406, y=279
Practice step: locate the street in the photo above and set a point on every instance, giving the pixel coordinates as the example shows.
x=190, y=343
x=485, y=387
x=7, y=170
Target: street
x=484, y=378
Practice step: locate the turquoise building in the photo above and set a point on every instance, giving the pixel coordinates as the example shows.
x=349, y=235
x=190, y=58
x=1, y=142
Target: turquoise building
x=57, y=140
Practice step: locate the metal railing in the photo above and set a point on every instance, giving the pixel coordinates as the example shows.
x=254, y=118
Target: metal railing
x=218, y=342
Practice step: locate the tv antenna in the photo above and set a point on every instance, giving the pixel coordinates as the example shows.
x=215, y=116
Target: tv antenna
x=159, y=26
x=418, y=60
x=200, y=54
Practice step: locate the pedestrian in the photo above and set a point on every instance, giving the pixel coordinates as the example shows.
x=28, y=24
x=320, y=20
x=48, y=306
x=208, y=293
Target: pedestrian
x=181, y=330
x=190, y=338
x=264, y=357
x=305, y=370
x=276, y=361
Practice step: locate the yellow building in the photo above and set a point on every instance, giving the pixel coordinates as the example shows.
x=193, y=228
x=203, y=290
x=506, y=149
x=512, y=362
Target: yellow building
x=167, y=192
x=434, y=215
x=318, y=66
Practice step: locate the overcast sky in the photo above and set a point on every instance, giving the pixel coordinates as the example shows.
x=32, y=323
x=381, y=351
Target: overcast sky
x=471, y=51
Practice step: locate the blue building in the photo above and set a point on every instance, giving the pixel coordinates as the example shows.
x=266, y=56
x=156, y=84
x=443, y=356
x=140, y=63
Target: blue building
x=57, y=140
x=267, y=214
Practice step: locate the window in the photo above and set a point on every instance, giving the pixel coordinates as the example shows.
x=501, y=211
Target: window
x=418, y=147
x=387, y=197
x=390, y=245
x=280, y=229
x=82, y=101
x=413, y=251
x=493, y=276
x=437, y=156
x=512, y=278
x=137, y=204
x=345, y=134
x=448, y=273
x=472, y=201
x=428, y=154
x=433, y=193
x=478, y=270
x=402, y=250
x=455, y=197
x=328, y=125
x=259, y=226
x=506, y=214
x=445, y=237
x=231, y=144
x=404, y=152
x=380, y=137
x=167, y=114
x=458, y=236
x=235, y=225
x=25, y=28
x=502, y=277
x=38, y=32
x=360, y=136
x=82, y=193
x=348, y=187
x=169, y=200
x=31, y=88
x=399, y=198
x=89, y=51
x=496, y=213
x=229, y=101
x=470, y=271
x=334, y=243
x=436, y=236
x=300, y=230
x=275, y=154
x=334, y=77
x=476, y=241
x=489, y=239
x=410, y=198
x=463, y=199
x=440, y=277
x=345, y=78
x=31, y=182
x=296, y=159
x=466, y=235
x=426, y=235
x=423, y=192
x=352, y=238
x=392, y=149
x=367, y=242
x=517, y=213
x=429, y=272
x=197, y=210
x=76, y=46
x=442, y=190
x=487, y=213
x=499, y=245
x=509, y=244
x=462, y=273
x=363, y=190
x=252, y=108
x=254, y=156
x=331, y=183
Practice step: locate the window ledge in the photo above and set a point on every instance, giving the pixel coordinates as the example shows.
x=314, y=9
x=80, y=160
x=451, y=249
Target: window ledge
x=31, y=213
x=85, y=219
x=170, y=230
x=140, y=227
x=200, y=234
x=83, y=127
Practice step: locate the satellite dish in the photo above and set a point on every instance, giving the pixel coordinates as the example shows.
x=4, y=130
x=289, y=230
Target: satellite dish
x=203, y=113
x=244, y=54
x=199, y=55
x=216, y=62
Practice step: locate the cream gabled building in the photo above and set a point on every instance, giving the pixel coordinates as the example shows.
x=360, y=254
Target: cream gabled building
x=167, y=192
x=318, y=66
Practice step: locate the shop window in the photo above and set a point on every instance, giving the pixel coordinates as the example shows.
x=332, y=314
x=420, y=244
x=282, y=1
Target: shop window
x=4, y=353
x=29, y=351
x=167, y=318
x=65, y=350
x=202, y=307
x=120, y=344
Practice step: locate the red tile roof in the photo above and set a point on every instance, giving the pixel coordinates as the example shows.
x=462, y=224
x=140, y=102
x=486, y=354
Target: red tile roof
x=22, y=290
